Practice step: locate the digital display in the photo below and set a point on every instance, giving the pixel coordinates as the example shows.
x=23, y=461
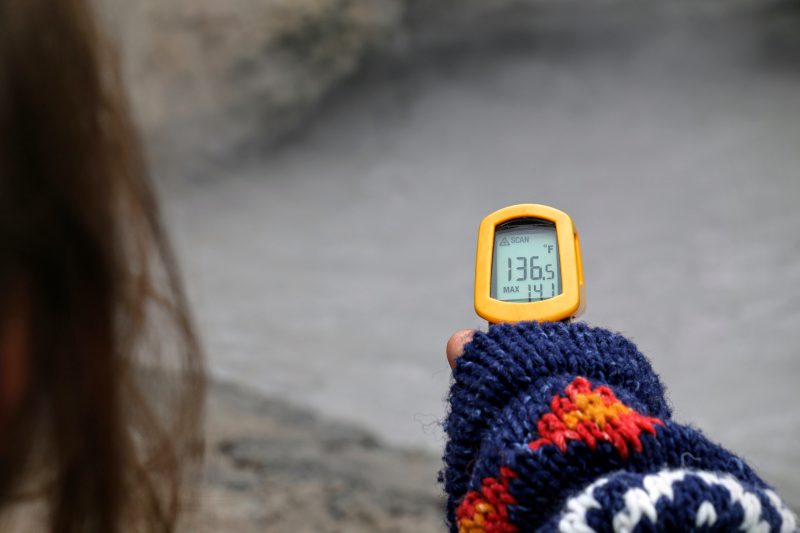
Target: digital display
x=525, y=266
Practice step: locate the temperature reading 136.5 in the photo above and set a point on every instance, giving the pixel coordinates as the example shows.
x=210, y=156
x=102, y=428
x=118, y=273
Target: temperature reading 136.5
x=526, y=263
x=523, y=264
x=527, y=269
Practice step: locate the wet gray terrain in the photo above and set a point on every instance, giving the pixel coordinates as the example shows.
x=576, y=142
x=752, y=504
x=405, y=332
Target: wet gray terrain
x=331, y=271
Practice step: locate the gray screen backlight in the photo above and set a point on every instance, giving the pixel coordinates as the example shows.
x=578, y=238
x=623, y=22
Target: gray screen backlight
x=525, y=266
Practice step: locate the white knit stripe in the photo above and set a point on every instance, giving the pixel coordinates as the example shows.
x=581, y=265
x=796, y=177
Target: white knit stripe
x=574, y=519
x=706, y=515
x=789, y=519
x=642, y=502
x=637, y=504
x=750, y=503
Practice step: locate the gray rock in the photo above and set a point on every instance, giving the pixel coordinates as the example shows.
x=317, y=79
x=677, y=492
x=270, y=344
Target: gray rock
x=206, y=75
x=273, y=467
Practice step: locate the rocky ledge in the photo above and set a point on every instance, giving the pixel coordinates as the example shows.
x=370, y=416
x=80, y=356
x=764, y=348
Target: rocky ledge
x=272, y=467
x=207, y=76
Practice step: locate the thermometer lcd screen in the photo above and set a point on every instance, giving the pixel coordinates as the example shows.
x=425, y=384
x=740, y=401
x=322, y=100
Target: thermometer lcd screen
x=525, y=262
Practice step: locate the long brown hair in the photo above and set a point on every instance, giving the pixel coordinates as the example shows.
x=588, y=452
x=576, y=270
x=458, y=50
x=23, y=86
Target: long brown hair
x=110, y=412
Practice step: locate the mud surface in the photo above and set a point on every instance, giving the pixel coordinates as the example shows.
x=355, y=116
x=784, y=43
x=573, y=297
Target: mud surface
x=272, y=467
x=330, y=270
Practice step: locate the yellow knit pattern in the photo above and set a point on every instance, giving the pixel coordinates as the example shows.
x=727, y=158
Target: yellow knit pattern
x=477, y=523
x=593, y=407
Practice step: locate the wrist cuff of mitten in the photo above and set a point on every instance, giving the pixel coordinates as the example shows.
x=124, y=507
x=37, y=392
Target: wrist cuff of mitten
x=541, y=412
x=676, y=499
x=521, y=368
x=510, y=361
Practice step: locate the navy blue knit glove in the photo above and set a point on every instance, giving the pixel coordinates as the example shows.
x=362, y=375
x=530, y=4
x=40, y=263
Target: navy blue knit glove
x=564, y=427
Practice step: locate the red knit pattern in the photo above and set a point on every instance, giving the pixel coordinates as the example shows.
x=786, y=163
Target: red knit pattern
x=486, y=511
x=590, y=415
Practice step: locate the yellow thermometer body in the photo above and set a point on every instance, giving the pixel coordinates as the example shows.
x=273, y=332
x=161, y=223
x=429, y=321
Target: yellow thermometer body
x=528, y=266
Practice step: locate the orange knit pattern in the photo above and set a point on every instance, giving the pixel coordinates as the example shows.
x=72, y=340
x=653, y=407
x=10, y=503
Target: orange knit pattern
x=486, y=511
x=585, y=414
x=590, y=415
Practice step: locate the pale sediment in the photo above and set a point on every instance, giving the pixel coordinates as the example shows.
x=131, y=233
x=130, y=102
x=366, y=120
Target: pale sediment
x=274, y=467
x=208, y=76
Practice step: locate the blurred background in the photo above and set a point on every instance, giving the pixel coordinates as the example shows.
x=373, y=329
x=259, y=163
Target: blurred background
x=324, y=165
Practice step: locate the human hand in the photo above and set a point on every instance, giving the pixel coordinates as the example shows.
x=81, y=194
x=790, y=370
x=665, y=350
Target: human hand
x=544, y=417
x=455, y=346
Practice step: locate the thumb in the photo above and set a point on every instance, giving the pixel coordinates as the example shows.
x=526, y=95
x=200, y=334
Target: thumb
x=455, y=346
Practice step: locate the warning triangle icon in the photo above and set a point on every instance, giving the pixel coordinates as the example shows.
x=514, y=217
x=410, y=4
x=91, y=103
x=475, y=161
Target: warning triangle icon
x=504, y=242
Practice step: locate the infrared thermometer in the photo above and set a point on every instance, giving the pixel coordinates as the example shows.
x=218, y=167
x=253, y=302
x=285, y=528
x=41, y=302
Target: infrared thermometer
x=528, y=266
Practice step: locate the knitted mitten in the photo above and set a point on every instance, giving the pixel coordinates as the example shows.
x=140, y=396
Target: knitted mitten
x=563, y=427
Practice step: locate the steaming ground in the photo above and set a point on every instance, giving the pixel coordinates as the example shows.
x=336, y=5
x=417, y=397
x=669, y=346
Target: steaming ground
x=331, y=272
